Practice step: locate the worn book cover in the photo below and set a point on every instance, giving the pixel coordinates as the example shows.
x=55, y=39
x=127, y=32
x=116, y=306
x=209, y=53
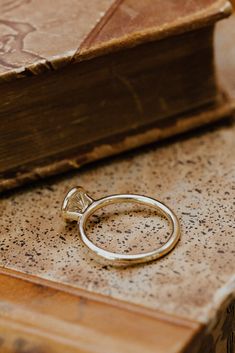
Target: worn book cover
x=81, y=81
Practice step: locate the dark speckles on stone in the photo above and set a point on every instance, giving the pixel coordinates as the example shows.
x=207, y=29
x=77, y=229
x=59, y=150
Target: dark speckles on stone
x=62, y=238
x=193, y=176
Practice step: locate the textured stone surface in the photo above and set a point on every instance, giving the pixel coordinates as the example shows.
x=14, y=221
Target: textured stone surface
x=195, y=176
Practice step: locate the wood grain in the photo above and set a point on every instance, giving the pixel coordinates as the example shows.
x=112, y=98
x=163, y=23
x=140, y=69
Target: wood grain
x=36, y=318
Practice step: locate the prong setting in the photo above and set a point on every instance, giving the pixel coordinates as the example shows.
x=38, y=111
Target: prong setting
x=75, y=203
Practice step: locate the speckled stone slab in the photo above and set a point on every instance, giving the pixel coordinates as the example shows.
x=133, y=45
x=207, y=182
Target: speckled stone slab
x=195, y=176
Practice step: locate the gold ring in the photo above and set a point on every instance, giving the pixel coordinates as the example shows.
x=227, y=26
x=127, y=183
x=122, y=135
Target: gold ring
x=79, y=206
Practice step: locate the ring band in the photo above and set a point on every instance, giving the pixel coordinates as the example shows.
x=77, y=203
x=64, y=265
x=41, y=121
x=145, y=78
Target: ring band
x=79, y=206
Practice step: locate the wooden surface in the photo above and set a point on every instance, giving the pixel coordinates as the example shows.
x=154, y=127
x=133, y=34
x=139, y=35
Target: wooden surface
x=35, y=318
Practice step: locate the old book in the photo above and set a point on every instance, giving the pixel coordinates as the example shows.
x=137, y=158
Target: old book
x=81, y=82
x=55, y=297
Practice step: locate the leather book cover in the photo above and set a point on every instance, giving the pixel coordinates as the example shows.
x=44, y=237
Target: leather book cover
x=36, y=38
x=81, y=81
